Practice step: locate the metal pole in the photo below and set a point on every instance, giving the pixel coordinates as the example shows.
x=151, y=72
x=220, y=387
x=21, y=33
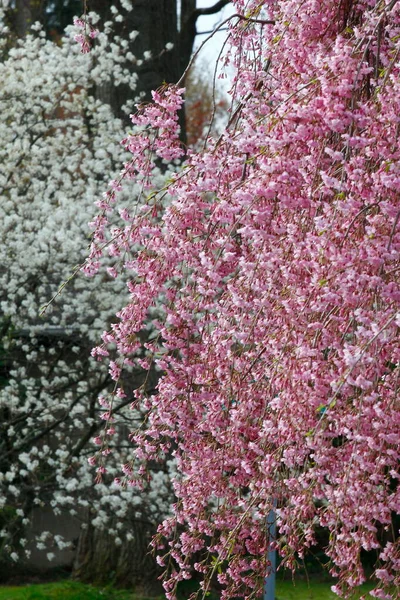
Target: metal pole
x=269, y=586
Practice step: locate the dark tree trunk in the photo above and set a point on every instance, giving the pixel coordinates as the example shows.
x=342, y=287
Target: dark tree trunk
x=101, y=561
x=24, y=14
x=157, y=24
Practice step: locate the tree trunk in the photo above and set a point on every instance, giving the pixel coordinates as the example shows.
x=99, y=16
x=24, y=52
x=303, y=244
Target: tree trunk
x=157, y=24
x=26, y=12
x=99, y=560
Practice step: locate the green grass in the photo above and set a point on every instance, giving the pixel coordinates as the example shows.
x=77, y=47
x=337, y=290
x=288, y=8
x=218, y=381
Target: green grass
x=301, y=590
x=63, y=590
x=72, y=590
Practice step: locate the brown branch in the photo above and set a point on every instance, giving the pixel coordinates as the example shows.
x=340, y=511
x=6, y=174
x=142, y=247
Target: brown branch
x=211, y=10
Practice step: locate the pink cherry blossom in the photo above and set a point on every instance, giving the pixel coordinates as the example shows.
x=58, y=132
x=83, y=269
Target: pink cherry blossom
x=274, y=274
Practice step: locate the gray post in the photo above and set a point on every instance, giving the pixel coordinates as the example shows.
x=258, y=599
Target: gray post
x=269, y=587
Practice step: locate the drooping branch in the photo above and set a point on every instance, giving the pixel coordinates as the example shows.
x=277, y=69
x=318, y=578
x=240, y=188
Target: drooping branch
x=275, y=360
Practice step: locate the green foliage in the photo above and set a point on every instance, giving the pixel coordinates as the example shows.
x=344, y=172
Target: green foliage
x=9, y=519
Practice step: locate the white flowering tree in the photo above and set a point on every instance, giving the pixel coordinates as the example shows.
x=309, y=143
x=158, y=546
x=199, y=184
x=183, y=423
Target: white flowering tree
x=59, y=147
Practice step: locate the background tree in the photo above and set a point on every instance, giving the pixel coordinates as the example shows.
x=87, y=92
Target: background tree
x=277, y=266
x=60, y=146
x=158, y=24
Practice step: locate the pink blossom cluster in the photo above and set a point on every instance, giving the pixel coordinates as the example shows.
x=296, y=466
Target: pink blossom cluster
x=87, y=34
x=157, y=136
x=277, y=268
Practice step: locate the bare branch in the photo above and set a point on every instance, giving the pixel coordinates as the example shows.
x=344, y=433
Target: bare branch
x=218, y=28
x=211, y=10
x=211, y=31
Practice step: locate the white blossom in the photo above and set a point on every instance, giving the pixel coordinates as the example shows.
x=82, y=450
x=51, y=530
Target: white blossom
x=60, y=146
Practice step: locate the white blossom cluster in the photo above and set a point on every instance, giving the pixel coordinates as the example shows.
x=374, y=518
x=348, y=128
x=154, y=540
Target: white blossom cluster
x=60, y=146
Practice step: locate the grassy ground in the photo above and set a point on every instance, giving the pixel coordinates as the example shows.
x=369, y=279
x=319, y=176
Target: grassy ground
x=62, y=590
x=71, y=590
x=285, y=590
